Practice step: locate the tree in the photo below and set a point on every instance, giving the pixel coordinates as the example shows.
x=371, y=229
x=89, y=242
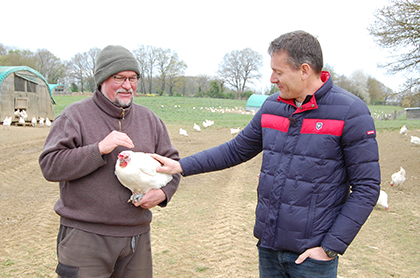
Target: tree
x=49, y=66
x=359, y=85
x=163, y=60
x=397, y=27
x=78, y=68
x=175, y=71
x=240, y=67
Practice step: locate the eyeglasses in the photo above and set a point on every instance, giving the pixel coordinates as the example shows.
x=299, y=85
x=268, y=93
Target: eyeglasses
x=121, y=79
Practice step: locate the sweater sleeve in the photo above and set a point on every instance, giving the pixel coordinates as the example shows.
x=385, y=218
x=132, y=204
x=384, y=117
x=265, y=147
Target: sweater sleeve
x=362, y=162
x=164, y=147
x=63, y=157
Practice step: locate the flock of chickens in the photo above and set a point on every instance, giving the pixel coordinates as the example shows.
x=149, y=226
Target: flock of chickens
x=207, y=123
x=22, y=117
x=397, y=178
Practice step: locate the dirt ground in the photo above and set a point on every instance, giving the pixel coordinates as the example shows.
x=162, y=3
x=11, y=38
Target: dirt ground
x=206, y=231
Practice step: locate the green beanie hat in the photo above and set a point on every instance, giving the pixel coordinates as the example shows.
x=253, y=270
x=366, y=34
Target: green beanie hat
x=114, y=59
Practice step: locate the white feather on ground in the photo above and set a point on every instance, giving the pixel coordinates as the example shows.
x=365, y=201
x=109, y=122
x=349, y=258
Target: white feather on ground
x=137, y=172
x=383, y=200
x=398, y=178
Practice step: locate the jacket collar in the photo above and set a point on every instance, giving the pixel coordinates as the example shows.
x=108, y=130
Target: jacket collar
x=108, y=107
x=311, y=103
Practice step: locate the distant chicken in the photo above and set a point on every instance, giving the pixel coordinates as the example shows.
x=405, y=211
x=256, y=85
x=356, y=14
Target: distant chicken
x=403, y=130
x=208, y=123
x=21, y=121
x=383, y=200
x=415, y=140
x=137, y=172
x=398, y=178
x=47, y=122
x=41, y=121
x=196, y=127
x=183, y=132
x=33, y=121
x=7, y=121
x=234, y=131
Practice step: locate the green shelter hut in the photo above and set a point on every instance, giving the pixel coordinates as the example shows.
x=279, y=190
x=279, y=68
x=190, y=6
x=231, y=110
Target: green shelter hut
x=255, y=101
x=60, y=89
x=23, y=88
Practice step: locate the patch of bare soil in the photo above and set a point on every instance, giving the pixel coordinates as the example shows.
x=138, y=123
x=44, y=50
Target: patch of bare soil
x=206, y=231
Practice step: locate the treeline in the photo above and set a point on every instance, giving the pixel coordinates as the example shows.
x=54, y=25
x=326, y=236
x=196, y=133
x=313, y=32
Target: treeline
x=163, y=72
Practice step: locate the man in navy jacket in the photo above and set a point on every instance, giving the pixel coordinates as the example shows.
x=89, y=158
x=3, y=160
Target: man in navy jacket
x=320, y=175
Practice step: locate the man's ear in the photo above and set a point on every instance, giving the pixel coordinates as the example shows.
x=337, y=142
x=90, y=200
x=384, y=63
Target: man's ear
x=305, y=71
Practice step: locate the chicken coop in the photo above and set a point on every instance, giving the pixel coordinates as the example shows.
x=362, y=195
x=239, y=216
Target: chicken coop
x=255, y=101
x=23, y=88
x=60, y=89
x=413, y=113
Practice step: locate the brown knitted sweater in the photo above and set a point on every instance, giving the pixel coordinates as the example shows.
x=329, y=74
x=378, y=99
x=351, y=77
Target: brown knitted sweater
x=91, y=197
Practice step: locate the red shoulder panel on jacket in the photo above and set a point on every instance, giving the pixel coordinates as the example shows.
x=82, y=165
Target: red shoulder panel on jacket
x=275, y=122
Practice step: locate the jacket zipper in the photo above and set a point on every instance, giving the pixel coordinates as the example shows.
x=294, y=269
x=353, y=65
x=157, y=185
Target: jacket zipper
x=121, y=117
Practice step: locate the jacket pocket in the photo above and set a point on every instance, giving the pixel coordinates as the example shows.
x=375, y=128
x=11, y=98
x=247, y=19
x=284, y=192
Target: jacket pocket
x=311, y=215
x=67, y=271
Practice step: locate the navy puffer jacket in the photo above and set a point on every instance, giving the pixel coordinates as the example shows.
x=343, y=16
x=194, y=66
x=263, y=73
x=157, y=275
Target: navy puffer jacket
x=320, y=175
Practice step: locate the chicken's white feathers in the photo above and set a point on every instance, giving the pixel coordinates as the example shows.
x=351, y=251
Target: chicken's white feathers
x=383, y=200
x=7, y=121
x=208, y=123
x=33, y=121
x=403, y=130
x=415, y=140
x=41, y=121
x=137, y=172
x=21, y=121
x=196, y=127
x=183, y=132
x=398, y=178
x=234, y=131
x=47, y=122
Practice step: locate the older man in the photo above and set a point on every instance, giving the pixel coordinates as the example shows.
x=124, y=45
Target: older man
x=320, y=174
x=101, y=235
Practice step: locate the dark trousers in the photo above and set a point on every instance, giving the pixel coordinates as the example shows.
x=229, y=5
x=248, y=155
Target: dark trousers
x=82, y=254
x=278, y=264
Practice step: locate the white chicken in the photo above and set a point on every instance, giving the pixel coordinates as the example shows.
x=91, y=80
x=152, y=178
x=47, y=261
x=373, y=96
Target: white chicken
x=403, y=130
x=398, y=178
x=33, y=121
x=137, y=172
x=47, y=122
x=21, y=121
x=234, y=131
x=415, y=140
x=383, y=200
x=183, y=132
x=208, y=123
x=41, y=121
x=7, y=121
x=196, y=127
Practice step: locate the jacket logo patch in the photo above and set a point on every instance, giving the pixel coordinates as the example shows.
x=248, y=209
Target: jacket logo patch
x=319, y=125
x=370, y=132
x=322, y=126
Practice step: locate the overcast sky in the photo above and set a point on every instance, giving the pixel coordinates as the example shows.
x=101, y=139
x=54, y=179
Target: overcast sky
x=201, y=32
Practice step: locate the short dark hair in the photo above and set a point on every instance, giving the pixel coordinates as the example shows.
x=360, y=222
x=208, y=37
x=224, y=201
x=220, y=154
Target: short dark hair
x=301, y=48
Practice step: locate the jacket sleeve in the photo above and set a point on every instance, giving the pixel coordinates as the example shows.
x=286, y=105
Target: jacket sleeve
x=63, y=157
x=362, y=161
x=246, y=145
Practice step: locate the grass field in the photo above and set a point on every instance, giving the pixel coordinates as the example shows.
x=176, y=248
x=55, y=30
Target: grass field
x=187, y=111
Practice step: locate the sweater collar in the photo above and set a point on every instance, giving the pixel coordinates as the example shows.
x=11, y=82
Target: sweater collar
x=109, y=107
x=310, y=101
